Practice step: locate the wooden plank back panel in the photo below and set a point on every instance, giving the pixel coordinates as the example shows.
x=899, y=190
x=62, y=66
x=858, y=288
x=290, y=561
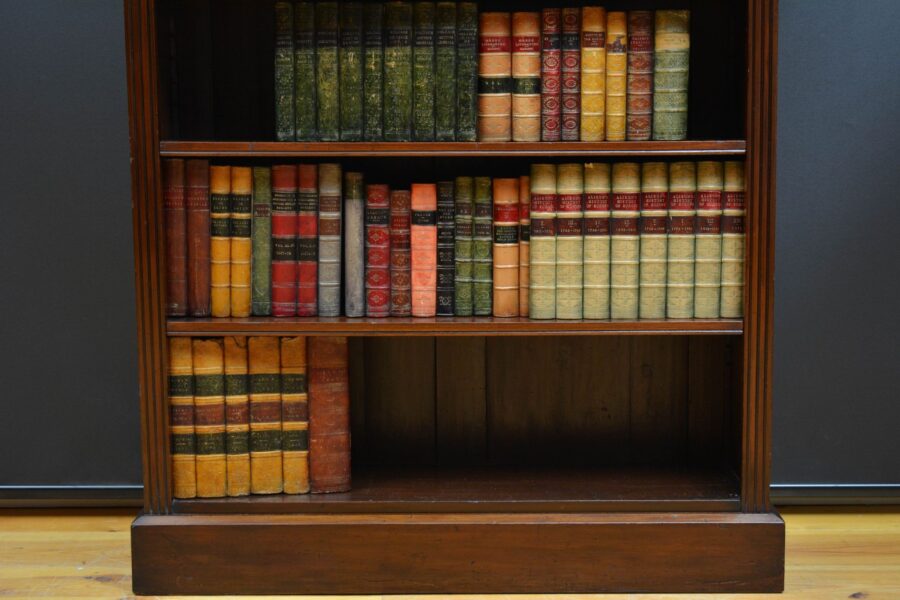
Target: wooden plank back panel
x=460, y=400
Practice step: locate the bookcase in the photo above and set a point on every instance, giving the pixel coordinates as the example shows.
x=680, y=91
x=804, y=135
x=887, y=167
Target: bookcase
x=489, y=454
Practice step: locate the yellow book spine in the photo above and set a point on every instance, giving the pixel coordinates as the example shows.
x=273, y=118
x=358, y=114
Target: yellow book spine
x=295, y=415
x=181, y=418
x=209, y=417
x=616, y=76
x=596, y=240
x=570, y=242
x=682, y=217
x=542, y=251
x=593, y=74
x=708, y=247
x=265, y=416
x=220, y=240
x=237, y=417
x=241, y=200
x=654, y=194
x=732, y=298
x=524, y=242
x=625, y=241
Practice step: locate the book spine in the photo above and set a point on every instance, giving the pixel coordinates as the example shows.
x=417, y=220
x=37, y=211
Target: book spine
x=482, y=245
x=198, y=230
x=639, y=99
x=625, y=241
x=241, y=244
x=570, y=241
x=305, y=120
x=596, y=240
x=732, y=305
x=176, y=237
x=373, y=78
x=330, y=230
x=526, y=77
x=524, y=242
x=446, y=268
x=466, y=71
x=329, y=415
x=284, y=72
x=423, y=246
x=464, y=211
x=328, y=113
x=264, y=365
x=378, y=251
x=220, y=241
x=294, y=416
x=183, y=447
x=681, y=231
x=209, y=417
x=542, y=251
x=445, y=71
x=593, y=74
x=670, y=75
x=708, y=246
x=284, y=240
x=261, y=253
x=354, y=245
x=571, y=75
x=551, y=74
x=307, y=240
x=616, y=76
x=494, y=77
x=401, y=301
x=423, y=71
x=654, y=202
x=506, y=247
x=351, y=71
x=237, y=417
x=398, y=91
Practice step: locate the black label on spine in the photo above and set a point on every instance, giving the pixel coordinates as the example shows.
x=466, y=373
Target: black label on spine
x=219, y=203
x=240, y=204
x=399, y=36
x=494, y=85
x=378, y=216
x=424, y=217
x=220, y=227
x=284, y=201
x=240, y=228
x=284, y=248
x=524, y=232
x=526, y=86
x=506, y=234
x=307, y=249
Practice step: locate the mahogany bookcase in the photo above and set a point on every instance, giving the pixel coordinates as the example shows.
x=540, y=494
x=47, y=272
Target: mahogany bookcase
x=490, y=455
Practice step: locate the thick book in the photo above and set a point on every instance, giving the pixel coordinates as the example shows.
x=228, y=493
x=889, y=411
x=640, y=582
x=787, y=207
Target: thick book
x=198, y=230
x=482, y=245
x=708, y=245
x=542, y=250
x=596, y=240
x=625, y=241
x=733, y=214
x=670, y=75
x=681, y=232
x=494, y=77
x=526, y=77
x=329, y=415
x=616, y=76
x=654, y=203
x=305, y=120
x=464, y=212
x=307, y=240
x=209, y=417
x=445, y=71
x=264, y=368
x=378, y=251
x=524, y=241
x=328, y=95
x=284, y=72
x=398, y=77
x=237, y=417
x=639, y=109
x=284, y=240
x=183, y=443
x=593, y=74
x=176, y=237
x=401, y=301
x=423, y=71
x=570, y=76
x=330, y=230
x=261, y=252
x=220, y=241
x=506, y=247
x=351, y=71
x=570, y=241
x=446, y=267
x=241, y=242
x=294, y=416
x=373, y=71
x=354, y=245
x=466, y=71
x=551, y=74
x=423, y=247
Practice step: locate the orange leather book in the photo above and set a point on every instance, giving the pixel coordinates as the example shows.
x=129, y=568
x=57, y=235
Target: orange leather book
x=220, y=240
x=423, y=242
x=506, y=247
x=494, y=78
x=294, y=416
x=265, y=416
x=237, y=417
x=209, y=417
x=524, y=240
x=526, y=73
x=181, y=418
x=241, y=200
x=329, y=415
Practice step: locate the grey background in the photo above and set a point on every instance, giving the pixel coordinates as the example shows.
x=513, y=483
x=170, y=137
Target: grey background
x=69, y=411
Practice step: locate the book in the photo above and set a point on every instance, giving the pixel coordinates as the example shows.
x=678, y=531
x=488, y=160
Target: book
x=466, y=71
x=401, y=294
x=241, y=241
x=284, y=240
x=506, y=247
x=708, y=244
x=446, y=267
x=261, y=251
x=654, y=192
x=294, y=416
x=423, y=71
x=330, y=230
x=593, y=74
x=237, y=417
x=625, y=241
x=551, y=74
x=220, y=240
x=328, y=98
x=524, y=241
x=351, y=71
x=542, y=249
x=354, y=245
x=526, y=77
x=284, y=72
x=596, y=240
x=264, y=366
x=682, y=217
x=494, y=77
x=307, y=240
x=305, y=119
x=670, y=74
x=197, y=232
x=482, y=258
x=423, y=247
x=329, y=415
x=373, y=71
x=570, y=241
x=733, y=248
x=209, y=416
x=176, y=237
x=183, y=444
x=445, y=71
x=398, y=78
x=464, y=212
x=639, y=100
x=570, y=123
x=616, y=76
x=378, y=250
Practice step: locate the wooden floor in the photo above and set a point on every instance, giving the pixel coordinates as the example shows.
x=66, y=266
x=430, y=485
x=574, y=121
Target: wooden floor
x=831, y=553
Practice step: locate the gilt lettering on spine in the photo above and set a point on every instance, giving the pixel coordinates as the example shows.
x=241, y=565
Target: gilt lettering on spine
x=596, y=240
x=446, y=268
x=681, y=230
x=570, y=241
x=708, y=246
x=733, y=241
x=307, y=240
x=542, y=250
x=294, y=415
x=670, y=75
x=495, y=78
x=398, y=77
x=654, y=197
x=625, y=241
x=506, y=247
x=400, y=254
x=209, y=417
x=445, y=84
x=330, y=231
x=237, y=417
x=378, y=250
x=616, y=76
x=220, y=240
x=284, y=240
x=593, y=74
x=526, y=77
x=464, y=209
x=570, y=76
x=466, y=71
x=524, y=242
x=482, y=257
x=241, y=241
x=305, y=120
x=551, y=74
x=183, y=443
x=351, y=71
x=423, y=244
x=261, y=293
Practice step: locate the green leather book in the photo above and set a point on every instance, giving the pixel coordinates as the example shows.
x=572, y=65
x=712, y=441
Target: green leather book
x=351, y=55
x=305, y=71
x=482, y=250
x=672, y=57
x=464, y=210
x=398, y=72
x=261, y=226
x=327, y=71
x=284, y=71
x=466, y=70
x=423, y=71
x=445, y=71
x=373, y=67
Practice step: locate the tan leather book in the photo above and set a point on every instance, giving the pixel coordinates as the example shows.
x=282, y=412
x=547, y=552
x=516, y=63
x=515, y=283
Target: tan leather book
x=220, y=240
x=265, y=416
x=181, y=418
x=593, y=74
x=625, y=241
x=494, y=77
x=654, y=192
x=423, y=246
x=616, y=75
x=524, y=242
x=241, y=200
x=237, y=416
x=294, y=415
x=506, y=247
x=570, y=241
x=708, y=247
x=209, y=417
x=596, y=240
x=732, y=301
x=526, y=77
x=682, y=217
x=542, y=251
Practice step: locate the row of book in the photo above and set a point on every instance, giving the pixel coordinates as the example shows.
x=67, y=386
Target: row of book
x=258, y=415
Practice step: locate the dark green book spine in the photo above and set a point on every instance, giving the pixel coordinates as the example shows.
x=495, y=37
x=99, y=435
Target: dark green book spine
x=398, y=72
x=445, y=71
x=464, y=198
x=423, y=71
x=466, y=70
x=305, y=71
x=482, y=249
x=351, y=72
x=327, y=72
x=373, y=24
x=261, y=249
x=284, y=72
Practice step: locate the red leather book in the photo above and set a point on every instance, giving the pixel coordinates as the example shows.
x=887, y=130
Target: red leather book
x=551, y=107
x=284, y=240
x=307, y=241
x=423, y=245
x=329, y=414
x=176, y=242
x=639, y=100
x=198, y=237
x=401, y=301
x=378, y=250
x=571, y=75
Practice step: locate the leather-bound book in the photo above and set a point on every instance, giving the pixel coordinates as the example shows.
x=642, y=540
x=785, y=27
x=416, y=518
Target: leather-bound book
x=445, y=71
x=506, y=247
x=616, y=76
x=670, y=76
x=625, y=241
x=733, y=249
x=526, y=77
x=401, y=293
x=423, y=244
x=570, y=241
x=220, y=241
x=176, y=240
x=307, y=240
x=593, y=74
x=542, y=250
x=398, y=79
x=329, y=415
x=328, y=96
x=446, y=268
x=330, y=228
x=708, y=246
x=354, y=245
x=482, y=245
x=237, y=417
x=494, y=77
x=284, y=71
x=654, y=202
x=294, y=416
x=466, y=71
x=265, y=415
x=423, y=71
x=596, y=240
x=284, y=240
x=241, y=243
x=198, y=230
x=464, y=211
x=209, y=417
x=640, y=75
x=378, y=251
x=305, y=121
x=351, y=70
x=681, y=231
x=571, y=75
x=181, y=418
x=373, y=71
x=551, y=74
x=261, y=290
x=524, y=242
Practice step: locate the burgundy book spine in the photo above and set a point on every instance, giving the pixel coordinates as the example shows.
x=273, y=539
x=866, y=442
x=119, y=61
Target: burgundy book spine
x=551, y=107
x=401, y=292
x=378, y=250
x=571, y=75
x=198, y=237
x=176, y=241
x=284, y=240
x=307, y=240
x=329, y=414
x=639, y=99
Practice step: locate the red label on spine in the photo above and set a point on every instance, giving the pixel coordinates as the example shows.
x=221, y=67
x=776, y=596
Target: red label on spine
x=570, y=202
x=596, y=226
x=681, y=200
x=681, y=225
x=543, y=227
x=732, y=224
x=709, y=200
x=526, y=43
x=653, y=225
x=569, y=226
x=653, y=201
x=734, y=200
x=543, y=203
x=494, y=43
x=709, y=225
x=624, y=226
x=626, y=201
x=506, y=213
x=596, y=201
